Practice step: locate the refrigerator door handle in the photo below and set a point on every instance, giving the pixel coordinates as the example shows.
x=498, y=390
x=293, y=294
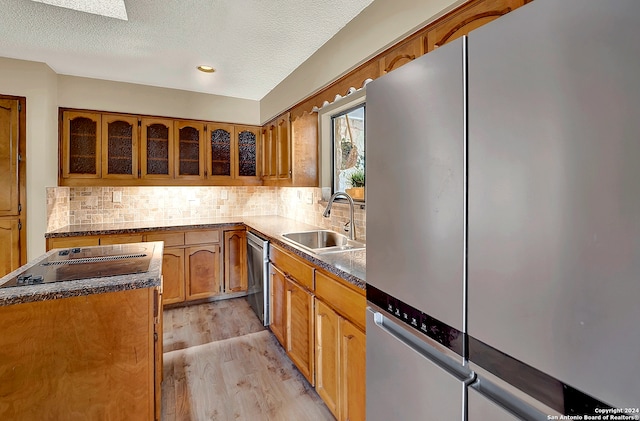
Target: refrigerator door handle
x=511, y=403
x=420, y=346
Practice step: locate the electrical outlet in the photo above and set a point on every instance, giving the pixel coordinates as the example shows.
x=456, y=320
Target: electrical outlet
x=310, y=198
x=224, y=194
x=117, y=197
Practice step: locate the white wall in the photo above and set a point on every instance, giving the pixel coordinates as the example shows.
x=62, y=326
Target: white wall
x=38, y=83
x=96, y=94
x=379, y=26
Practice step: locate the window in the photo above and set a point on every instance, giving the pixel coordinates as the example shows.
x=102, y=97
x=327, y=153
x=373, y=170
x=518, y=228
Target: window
x=348, y=161
x=335, y=170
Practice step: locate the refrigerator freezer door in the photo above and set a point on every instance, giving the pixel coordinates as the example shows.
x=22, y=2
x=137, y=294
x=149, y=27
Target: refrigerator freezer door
x=403, y=384
x=415, y=178
x=554, y=197
x=482, y=409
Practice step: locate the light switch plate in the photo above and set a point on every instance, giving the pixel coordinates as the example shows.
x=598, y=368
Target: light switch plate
x=117, y=197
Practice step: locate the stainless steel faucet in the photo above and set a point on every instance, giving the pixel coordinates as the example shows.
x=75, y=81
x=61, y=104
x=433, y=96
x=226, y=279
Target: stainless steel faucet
x=327, y=212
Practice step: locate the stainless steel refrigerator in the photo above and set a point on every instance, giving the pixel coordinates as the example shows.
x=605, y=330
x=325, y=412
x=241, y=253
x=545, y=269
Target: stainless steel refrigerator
x=503, y=221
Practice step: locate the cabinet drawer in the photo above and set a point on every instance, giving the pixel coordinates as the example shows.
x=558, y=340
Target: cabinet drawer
x=169, y=238
x=202, y=237
x=347, y=301
x=78, y=241
x=292, y=266
x=121, y=239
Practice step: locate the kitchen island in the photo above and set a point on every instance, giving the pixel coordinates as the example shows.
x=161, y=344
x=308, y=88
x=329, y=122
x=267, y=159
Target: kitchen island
x=82, y=349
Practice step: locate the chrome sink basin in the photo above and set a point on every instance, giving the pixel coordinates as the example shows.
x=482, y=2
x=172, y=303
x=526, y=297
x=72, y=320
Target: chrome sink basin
x=323, y=241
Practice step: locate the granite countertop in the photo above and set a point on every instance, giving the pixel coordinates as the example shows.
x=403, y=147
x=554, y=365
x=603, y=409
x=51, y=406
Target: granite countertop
x=348, y=265
x=76, y=288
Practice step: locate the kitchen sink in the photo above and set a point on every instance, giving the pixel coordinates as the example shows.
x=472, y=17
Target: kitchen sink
x=323, y=241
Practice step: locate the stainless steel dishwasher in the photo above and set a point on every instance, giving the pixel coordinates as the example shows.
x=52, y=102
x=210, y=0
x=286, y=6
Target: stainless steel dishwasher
x=258, y=272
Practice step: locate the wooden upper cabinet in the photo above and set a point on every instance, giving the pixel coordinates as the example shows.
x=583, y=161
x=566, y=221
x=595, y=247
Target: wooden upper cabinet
x=81, y=144
x=220, y=162
x=400, y=55
x=247, y=151
x=156, y=148
x=471, y=16
x=304, y=151
x=269, y=151
x=9, y=145
x=119, y=146
x=283, y=147
x=189, y=139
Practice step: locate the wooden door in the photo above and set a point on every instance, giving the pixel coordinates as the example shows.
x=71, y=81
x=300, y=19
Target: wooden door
x=246, y=153
x=353, y=367
x=300, y=330
x=471, y=16
x=173, y=271
x=10, y=250
x=220, y=152
x=327, y=356
x=189, y=138
x=283, y=136
x=202, y=271
x=81, y=144
x=235, y=260
x=278, y=316
x=157, y=148
x=9, y=149
x=119, y=146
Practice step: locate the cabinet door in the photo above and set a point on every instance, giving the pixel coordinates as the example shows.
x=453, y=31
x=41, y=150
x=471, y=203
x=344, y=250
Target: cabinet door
x=265, y=137
x=401, y=55
x=235, y=261
x=173, y=272
x=272, y=152
x=278, y=316
x=304, y=141
x=119, y=146
x=9, y=136
x=202, y=271
x=81, y=144
x=300, y=329
x=468, y=18
x=10, y=250
x=220, y=157
x=157, y=148
x=246, y=141
x=353, y=378
x=189, y=149
x=283, y=148
x=327, y=355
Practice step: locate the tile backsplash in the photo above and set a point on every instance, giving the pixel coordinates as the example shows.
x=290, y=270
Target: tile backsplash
x=95, y=205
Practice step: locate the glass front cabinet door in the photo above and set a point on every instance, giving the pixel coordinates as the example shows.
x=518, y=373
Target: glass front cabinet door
x=81, y=144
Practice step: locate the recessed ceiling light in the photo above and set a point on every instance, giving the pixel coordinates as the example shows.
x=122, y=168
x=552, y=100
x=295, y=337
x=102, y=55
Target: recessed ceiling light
x=206, y=69
x=109, y=8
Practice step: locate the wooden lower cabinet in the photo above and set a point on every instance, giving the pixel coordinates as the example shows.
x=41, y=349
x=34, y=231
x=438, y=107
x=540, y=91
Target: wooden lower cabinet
x=278, y=304
x=88, y=357
x=327, y=356
x=173, y=275
x=340, y=364
x=353, y=379
x=235, y=261
x=202, y=271
x=300, y=329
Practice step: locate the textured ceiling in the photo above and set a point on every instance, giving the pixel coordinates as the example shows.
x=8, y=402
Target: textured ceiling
x=252, y=44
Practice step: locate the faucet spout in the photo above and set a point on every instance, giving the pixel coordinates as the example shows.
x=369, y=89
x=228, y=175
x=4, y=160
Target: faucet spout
x=327, y=212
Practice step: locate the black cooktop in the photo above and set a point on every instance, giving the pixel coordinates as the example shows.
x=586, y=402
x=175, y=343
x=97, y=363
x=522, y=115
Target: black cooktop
x=85, y=263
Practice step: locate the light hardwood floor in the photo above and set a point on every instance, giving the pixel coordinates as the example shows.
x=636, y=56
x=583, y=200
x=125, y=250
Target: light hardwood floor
x=220, y=363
